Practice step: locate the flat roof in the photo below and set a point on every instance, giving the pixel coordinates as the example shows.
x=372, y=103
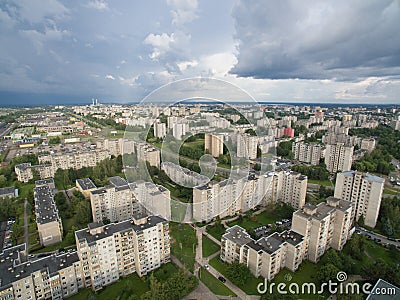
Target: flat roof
x=45, y=207
x=7, y=190
x=237, y=235
x=86, y=184
x=110, y=229
x=14, y=265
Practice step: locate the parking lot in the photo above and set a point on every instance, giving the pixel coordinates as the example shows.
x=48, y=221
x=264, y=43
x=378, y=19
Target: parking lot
x=264, y=231
x=5, y=233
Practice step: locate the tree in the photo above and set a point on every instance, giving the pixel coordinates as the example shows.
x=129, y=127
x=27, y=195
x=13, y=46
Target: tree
x=3, y=181
x=83, y=212
x=238, y=273
x=327, y=272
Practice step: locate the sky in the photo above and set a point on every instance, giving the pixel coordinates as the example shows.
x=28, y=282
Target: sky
x=343, y=51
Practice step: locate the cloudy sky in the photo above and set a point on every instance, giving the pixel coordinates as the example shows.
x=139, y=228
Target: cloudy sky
x=56, y=51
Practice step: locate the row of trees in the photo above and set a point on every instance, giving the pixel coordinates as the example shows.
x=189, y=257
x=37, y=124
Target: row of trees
x=174, y=288
x=387, y=138
x=378, y=161
x=99, y=174
x=284, y=149
x=318, y=172
x=389, y=217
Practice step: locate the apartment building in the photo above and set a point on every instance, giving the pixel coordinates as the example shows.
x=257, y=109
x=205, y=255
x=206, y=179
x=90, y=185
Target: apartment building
x=112, y=202
x=214, y=144
x=57, y=276
x=368, y=144
x=288, y=187
x=75, y=160
x=24, y=172
x=47, y=217
x=228, y=197
x=44, y=171
x=266, y=256
x=8, y=192
x=338, y=157
x=85, y=185
x=110, y=252
x=160, y=130
x=364, y=190
x=179, y=130
x=155, y=198
x=247, y=146
x=307, y=152
x=323, y=226
x=395, y=123
x=151, y=154
x=183, y=176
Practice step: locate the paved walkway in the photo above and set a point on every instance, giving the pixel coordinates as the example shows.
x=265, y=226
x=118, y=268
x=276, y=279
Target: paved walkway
x=26, y=223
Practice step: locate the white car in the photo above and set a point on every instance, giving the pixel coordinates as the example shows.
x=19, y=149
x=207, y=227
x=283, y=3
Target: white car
x=206, y=267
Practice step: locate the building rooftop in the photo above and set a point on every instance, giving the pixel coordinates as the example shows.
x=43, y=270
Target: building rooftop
x=118, y=181
x=46, y=181
x=111, y=229
x=23, y=166
x=86, y=184
x=237, y=235
x=7, y=190
x=271, y=243
x=15, y=266
x=45, y=207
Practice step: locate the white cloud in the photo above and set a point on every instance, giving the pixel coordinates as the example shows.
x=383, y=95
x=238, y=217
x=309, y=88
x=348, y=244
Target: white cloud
x=183, y=11
x=109, y=77
x=36, y=11
x=98, y=4
x=173, y=46
x=39, y=39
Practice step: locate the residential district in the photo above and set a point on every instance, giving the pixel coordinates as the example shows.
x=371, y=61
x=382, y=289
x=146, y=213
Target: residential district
x=197, y=201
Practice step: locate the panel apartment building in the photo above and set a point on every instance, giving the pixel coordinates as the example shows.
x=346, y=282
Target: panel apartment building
x=119, y=249
x=338, y=157
x=47, y=217
x=214, y=144
x=288, y=187
x=112, y=202
x=266, y=256
x=104, y=255
x=228, y=197
x=364, y=190
x=314, y=230
x=307, y=152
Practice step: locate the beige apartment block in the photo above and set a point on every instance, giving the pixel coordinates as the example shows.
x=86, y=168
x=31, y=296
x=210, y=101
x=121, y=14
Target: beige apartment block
x=338, y=157
x=364, y=190
x=266, y=256
x=57, y=276
x=307, y=152
x=24, y=172
x=47, y=218
x=214, y=144
x=323, y=226
x=85, y=186
x=288, y=187
x=113, y=202
x=247, y=146
x=119, y=249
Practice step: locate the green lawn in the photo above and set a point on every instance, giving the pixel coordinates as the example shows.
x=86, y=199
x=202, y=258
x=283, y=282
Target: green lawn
x=250, y=288
x=320, y=182
x=393, y=192
x=216, y=231
x=24, y=189
x=183, y=244
x=209, y=247
x=215, y=286
x=127, y=286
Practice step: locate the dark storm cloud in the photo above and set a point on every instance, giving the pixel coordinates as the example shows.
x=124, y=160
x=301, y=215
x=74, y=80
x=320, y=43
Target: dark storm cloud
x=342, y=40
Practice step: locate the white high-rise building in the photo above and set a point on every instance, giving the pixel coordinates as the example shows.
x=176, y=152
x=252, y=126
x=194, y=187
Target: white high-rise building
x=338, y=157
x=309, y=153
x=180, y=129
x=160, y=130
x=364, y=190
x=247, y=146
x=214, y=144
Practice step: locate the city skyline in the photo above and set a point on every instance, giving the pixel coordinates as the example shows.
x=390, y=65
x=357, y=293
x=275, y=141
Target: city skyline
x=67, y=53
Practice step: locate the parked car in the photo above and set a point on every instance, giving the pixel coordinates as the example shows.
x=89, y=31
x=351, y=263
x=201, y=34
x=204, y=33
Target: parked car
x=222, y=279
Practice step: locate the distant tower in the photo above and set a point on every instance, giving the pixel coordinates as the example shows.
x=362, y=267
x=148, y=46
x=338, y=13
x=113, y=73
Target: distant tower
x=92, y=101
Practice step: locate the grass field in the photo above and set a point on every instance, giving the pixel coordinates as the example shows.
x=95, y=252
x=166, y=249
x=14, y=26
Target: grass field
x=216, y=231
x=215, y=286
x=209, y=247
x=320, y=182
x=127, y=286
x=250, y=288
x=183, y=244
